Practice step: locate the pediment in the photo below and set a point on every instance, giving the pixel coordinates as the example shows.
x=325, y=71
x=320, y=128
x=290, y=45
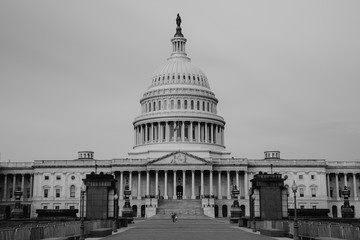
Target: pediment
x=179, y=158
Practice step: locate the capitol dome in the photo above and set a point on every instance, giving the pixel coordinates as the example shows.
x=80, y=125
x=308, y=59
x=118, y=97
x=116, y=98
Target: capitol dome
x=178, y=110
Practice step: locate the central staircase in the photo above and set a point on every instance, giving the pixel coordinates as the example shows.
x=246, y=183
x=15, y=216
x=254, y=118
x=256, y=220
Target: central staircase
x=184, y=208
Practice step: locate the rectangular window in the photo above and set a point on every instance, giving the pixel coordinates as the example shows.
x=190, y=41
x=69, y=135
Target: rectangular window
x=301, y=176
x=301, y=192
x=313, y=192
x=57, y=193
x=46, y=177
x=57, y=207
x=58, y=177
x=72, y=207
x=46, y=193
x=312, y=177
x=44, y=207
x=314, y=206
x=302, y=206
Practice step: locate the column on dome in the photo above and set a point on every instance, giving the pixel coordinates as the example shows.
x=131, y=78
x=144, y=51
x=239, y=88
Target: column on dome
x=146, y=133
x=184, y=184
x=159, y=138
x=152, y=132
x=191, y=131
x=174, y=185
x=199, y=132
x=139, y=185
x=206, y=129
x=337, y=186
x=167, y=132
x=211, y=133
x=219, y=185
x=354, y=187
x=165, y=185
x=183, y=131
x=175, y=131
x=192, y=184
x=135, y=142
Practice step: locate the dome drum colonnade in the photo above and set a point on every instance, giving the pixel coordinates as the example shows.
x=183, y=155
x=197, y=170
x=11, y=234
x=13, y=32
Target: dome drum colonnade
x=179, y=106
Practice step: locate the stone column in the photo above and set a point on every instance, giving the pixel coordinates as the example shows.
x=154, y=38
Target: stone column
x=152, y=133
x=135, y=136
x=165, y=185
x=246, y=187
x=175, y=131
x=160, y=134
x=130, y=183
x=146, y=133
x=345, y=179
x=202, y=184
x=22, y=186
x=14, y=186
x=167, y=132
x=337, y=186
x=121, y=192
x=147, y=183
x=219, y=185
x=191, y=131
x=199, y=132
x=355, y=187
x=174, y=195
x=157, y=184
x=206, y=133
x=211, y=183
x=328, y=185
x=237, y=179
x=183, y=131
x=192, y=184
x=31, y=185
x=211, y=133
x=184, y=184
x=228, y=184
x=5, y=186
x=139, y=185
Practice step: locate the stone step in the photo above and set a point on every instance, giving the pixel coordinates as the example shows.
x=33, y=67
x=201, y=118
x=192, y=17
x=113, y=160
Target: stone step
x=184, y=203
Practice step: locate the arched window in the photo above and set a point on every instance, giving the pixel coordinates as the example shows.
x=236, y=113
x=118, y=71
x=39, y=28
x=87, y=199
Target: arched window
x=208, y=107
x=192, y=105
x=165, y=104
x=72, y=191
x=149, y=107
x=159, y=105
x=178, y=104
x=185, y=104
x=154, y=106
x=198, y=105
x=172, y=104
x=203, y=107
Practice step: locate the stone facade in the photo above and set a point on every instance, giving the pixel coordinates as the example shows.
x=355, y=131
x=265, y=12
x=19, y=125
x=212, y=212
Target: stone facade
x=179, y=153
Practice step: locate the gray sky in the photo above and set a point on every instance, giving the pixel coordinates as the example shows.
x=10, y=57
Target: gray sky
x=286, y=74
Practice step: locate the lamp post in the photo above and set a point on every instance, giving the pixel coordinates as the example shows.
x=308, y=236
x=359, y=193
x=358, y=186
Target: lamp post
x=296, y=226
x=253, y=212
x=82, y=227
x=116, y=197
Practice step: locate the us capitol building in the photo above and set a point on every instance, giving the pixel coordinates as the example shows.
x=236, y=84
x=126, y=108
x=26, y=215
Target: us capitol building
x=179, y=153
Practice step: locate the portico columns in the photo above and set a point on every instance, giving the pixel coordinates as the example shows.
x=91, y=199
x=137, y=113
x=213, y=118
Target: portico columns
x=22, y=185
x=165, y=185
x=146, y=133
x=167, y=132
x=147, y=183
x=184, y=184
x=157, y=184
x=174, y=195
x=14, y=186
x=202, y=184
x=345, y=180
x=206, y=132
x=199, y=132
x=139, y=185
x=183, y=131
x=337, y=185
x=354, y=186
x=191, y=131
x=121, y=186
x=5, y=186
x=219, y=185
x=31, y=185
x=192, y=184
x=328, y=185
x=228, y=184
x=211, y=183
x=246, y=182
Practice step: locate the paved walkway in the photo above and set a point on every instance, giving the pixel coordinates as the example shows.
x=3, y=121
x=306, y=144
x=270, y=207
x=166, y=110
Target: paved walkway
x=199, y=229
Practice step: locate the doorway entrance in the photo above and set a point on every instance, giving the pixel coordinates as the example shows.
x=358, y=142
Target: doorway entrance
x=179, y=192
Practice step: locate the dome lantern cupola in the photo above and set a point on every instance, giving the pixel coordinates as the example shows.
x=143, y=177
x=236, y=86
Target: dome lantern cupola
x=178, y=41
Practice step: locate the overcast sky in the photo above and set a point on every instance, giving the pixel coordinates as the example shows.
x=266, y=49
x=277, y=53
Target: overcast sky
x=286, y=74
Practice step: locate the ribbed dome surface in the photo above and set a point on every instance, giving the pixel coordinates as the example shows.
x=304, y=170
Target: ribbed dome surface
x=179, y=71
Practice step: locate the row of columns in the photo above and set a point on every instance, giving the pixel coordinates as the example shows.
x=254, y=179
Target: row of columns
x=179, y=131
x=5, y=188
x=237, y=183
x=337, y=189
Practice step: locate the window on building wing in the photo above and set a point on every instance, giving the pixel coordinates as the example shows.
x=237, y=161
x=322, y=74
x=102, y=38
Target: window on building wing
x=72, y=191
